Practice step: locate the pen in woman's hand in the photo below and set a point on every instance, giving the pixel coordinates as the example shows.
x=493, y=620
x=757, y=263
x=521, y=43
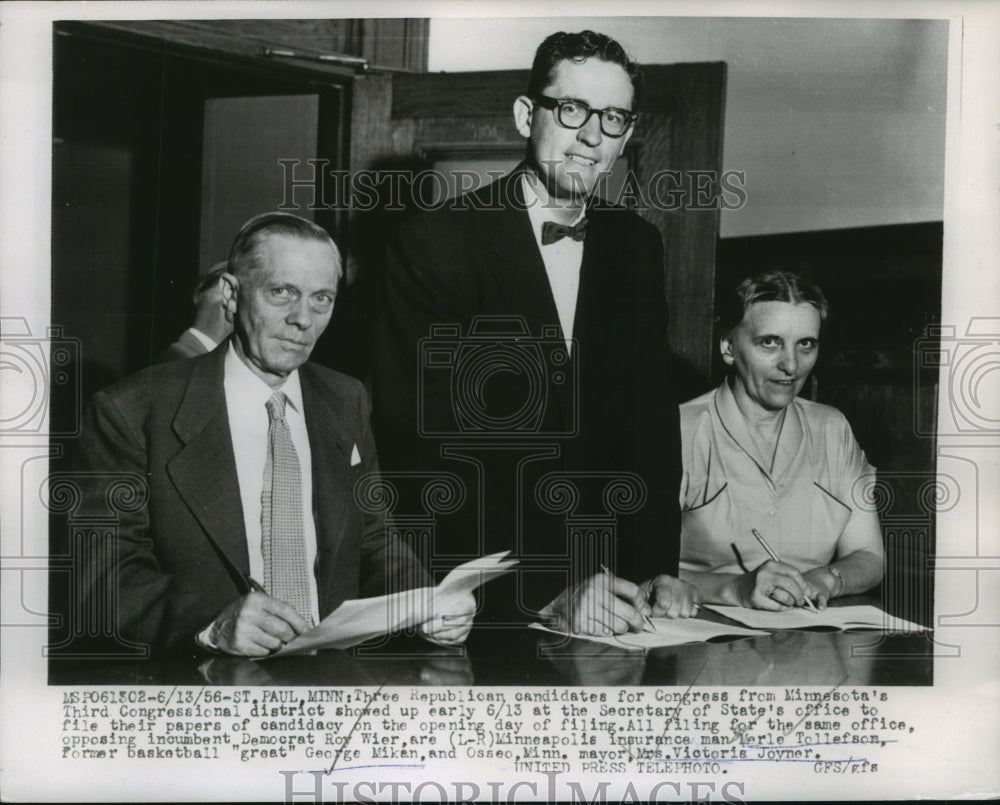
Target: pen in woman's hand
x=774, y=557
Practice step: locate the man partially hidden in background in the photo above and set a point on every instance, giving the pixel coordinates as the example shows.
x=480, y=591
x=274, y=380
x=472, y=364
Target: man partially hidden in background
x=212, y=322
x=539, y=250
x=249, y=530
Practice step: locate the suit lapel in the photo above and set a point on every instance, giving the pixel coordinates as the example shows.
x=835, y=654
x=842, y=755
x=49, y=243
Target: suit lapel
x=519, y=271
x=522, y=280
x=598, y=255
x=204, y=471
x=332, y=478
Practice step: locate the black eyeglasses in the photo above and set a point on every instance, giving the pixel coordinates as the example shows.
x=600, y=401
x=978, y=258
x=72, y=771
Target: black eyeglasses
x=574, y=114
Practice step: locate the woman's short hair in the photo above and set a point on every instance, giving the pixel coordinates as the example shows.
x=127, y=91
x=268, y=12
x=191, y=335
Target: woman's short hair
x=245, y=253
x=769, y=286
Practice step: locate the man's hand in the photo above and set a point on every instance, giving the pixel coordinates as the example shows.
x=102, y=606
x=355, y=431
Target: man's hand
x=671, y=597
x=452, y=621
x=256, y=625
x=601, y=605
x=775, y=586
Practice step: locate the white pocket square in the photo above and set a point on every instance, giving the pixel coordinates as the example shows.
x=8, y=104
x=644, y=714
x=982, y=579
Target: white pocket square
x=355, y=456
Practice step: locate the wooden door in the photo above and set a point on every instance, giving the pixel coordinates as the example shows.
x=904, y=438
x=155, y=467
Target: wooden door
x=406, y=123
x=161, y=151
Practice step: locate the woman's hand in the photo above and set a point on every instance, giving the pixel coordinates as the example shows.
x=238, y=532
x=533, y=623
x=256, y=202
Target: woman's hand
x=775, y=586
x=824, y=582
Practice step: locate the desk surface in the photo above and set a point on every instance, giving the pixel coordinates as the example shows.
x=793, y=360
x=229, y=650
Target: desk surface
x=520, y=656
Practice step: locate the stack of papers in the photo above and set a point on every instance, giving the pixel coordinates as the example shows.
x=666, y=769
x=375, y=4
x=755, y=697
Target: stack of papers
x=356, y=621
x=850, y=617
x=668, y=632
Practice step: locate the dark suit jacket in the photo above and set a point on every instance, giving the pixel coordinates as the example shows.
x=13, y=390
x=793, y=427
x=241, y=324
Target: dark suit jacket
x=180, y=553
x=610, y=410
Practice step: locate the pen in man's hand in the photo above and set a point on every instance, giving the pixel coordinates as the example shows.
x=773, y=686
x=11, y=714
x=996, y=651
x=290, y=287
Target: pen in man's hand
x=774, y=557
x=649, y=624
x=255, y=585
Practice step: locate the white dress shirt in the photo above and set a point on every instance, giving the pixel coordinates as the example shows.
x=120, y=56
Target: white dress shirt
x=562, y=261
x=208, y=342
x=246, y=404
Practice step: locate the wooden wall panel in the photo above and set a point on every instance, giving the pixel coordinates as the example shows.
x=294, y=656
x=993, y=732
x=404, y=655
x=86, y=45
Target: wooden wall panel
x=387, y=44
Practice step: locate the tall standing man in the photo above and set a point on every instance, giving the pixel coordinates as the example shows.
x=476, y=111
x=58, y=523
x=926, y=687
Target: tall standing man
x=244, y=528
x=571, y=286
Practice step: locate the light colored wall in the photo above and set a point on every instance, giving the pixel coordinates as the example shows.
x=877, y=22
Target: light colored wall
x=837, y=123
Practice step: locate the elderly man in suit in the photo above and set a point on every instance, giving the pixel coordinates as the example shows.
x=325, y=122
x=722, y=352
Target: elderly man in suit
x=212, y=322
x=578, y=285
x=248, y=530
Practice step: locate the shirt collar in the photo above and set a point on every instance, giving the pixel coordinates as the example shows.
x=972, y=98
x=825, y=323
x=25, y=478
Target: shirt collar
x=790, y=440
x=248, y=386
x=208, y=342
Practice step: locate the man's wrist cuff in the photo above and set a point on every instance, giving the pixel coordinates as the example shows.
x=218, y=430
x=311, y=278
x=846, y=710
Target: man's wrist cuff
x=205, y=639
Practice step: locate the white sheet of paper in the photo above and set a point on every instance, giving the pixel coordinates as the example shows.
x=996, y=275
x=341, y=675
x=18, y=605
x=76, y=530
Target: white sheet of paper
x=361, y=619
x=669, y=632
x=466, y=577
x=861, y=616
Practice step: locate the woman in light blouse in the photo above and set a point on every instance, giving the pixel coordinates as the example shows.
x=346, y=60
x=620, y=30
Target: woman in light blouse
x=758, y=457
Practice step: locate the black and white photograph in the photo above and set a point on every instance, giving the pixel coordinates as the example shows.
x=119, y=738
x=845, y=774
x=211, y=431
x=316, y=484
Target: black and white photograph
x=433, y=402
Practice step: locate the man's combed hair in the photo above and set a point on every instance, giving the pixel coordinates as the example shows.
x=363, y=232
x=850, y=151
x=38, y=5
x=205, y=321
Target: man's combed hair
x=252, y=235
x=578, y=48
x=211, y=279
x=769, y=286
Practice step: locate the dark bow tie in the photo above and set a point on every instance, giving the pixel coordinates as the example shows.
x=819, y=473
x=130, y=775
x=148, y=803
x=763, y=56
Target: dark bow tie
x=551, y=231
